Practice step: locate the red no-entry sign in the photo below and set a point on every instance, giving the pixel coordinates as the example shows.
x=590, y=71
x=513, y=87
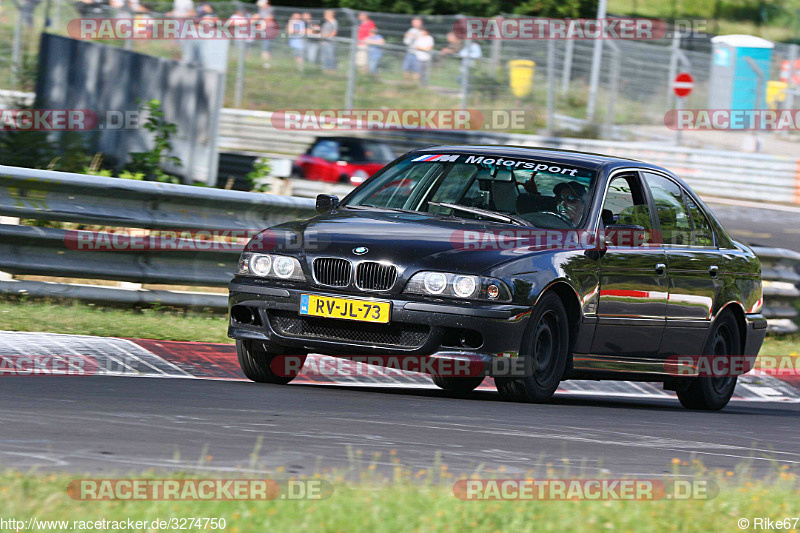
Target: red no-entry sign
x=683, y=84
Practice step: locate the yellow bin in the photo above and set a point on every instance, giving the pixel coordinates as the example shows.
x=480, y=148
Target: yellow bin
x=521, y=76
x=776, y=93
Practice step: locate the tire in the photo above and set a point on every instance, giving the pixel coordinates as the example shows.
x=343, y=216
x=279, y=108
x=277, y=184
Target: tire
x=297, y=173
x=344, y=178
x=545, y=349
x=260, y=366
x=714, y=393
x=465, y=384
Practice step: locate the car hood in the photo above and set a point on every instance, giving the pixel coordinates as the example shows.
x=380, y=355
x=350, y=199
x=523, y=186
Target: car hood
x=413, y=241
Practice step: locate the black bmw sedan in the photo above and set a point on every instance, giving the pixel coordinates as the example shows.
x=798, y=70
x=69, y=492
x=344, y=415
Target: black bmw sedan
x=536, y=265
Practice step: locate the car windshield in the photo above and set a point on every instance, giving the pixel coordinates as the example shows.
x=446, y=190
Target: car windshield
x=536, y=192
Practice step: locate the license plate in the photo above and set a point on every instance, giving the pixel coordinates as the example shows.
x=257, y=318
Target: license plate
x=345, y=308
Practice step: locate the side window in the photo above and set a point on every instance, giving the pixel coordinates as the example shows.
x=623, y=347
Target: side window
x=701, y=229
x=625, y=204
x=672, y=214
x=327, y=150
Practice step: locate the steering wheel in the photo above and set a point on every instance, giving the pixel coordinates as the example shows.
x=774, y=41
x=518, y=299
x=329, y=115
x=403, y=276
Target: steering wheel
x=545, y=220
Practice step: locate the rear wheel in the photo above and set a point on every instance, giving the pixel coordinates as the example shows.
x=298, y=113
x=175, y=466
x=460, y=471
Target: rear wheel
x=714, y=392
x=465, y=384
x=544, y=352
x=264, y=367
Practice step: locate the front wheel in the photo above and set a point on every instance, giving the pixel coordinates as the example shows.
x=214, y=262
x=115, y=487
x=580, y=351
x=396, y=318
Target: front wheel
x=544, y=351
x=264, y=367
x=712, y=393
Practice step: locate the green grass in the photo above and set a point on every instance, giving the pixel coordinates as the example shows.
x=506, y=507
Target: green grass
x=86, y=319
x=410, y=504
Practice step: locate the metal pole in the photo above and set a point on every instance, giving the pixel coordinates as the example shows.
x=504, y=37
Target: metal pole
x=678, y=133
x=551, y=85
x=465, y=64
x=566, y=71
x=597, y=55
x=790, y=87
x=239, y=88
x=612, y=96
x=351, y=68
x=673, y=66
x=497, y=45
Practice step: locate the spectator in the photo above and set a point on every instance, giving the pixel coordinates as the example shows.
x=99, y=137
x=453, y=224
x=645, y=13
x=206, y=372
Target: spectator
x=468, y=51
x=423, y=46
x=207, y=11
x=296, y=32
x=364, y=28
x=375, y=41
x=264, y=9
x=182, y=8
x=272, y=32
x=312, y=38
x=328, y=32
x=410, y=63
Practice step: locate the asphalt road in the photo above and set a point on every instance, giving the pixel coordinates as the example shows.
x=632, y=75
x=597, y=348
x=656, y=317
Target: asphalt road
x=755, y=223
x=123, y=424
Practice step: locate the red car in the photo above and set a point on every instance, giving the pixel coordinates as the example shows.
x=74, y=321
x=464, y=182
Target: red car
x=342, y=159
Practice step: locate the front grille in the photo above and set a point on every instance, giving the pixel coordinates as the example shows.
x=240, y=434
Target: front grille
x=372, y=276
x=332, y=272
x=290, y=324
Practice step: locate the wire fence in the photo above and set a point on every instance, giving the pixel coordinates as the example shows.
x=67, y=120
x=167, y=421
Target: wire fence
x=633, y=86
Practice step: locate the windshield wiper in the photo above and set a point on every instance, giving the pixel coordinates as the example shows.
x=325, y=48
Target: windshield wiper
x=483, y=212
x=370, y=206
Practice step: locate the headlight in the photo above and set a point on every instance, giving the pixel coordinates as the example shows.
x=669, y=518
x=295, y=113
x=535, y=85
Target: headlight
x=260, y=264
x=270, y=266
x=464, y=286
x=435, y=282
x=458, y=286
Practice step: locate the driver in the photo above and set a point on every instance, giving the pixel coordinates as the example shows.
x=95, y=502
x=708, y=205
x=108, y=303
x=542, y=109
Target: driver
x=571, y=197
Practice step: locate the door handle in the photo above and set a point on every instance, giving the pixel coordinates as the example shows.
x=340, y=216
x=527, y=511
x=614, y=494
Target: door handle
x=713, y=270
x=661, y=269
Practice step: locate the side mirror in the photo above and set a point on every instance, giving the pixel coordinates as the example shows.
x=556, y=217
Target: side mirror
x=625, y=235
x=327, y=202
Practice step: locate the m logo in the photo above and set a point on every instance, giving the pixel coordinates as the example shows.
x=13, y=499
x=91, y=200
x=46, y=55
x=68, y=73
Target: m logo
x=443, y=158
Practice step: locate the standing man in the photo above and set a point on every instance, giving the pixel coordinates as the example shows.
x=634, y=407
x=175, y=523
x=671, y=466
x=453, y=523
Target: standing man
x=328, y=32
x=364, y=28
x=422, y=49
x=410, y=64
x=296, y=32
x=312, y=38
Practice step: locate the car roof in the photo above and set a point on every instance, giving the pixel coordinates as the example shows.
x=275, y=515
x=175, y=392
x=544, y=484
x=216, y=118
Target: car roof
x=555, y=155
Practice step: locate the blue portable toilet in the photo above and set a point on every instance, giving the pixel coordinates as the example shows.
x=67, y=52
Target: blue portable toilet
x=734, y=83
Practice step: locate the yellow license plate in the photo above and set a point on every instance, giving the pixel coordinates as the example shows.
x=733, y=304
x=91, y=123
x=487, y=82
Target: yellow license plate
x=345, y=308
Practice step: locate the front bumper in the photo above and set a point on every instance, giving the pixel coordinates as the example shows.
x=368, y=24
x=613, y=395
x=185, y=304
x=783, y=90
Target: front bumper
x=500, y=326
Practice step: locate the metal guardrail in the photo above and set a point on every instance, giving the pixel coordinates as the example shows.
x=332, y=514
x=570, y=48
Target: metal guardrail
x=780, y=270
x=710, y=172
x=114, y=202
